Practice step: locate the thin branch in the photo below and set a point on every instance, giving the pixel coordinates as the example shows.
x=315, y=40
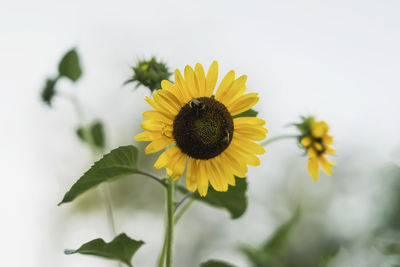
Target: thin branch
x=188, y=195
x=152, y=177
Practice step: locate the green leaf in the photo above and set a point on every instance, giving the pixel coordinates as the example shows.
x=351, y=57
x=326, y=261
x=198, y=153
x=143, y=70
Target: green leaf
x=248, y=113
x=327, y=260
x=281, y=234
x=121, y=248
x=48, y=91
x=97, y=134
x=69, y=66
x=234, y=200
x=268, y=253
x=116, y=164
x=216, y=263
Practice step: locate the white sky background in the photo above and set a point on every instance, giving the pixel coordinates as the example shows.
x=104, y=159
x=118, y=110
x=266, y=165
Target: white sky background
x=339, y=60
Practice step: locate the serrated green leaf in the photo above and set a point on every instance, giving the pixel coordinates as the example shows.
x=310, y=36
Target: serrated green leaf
x=121, y=248
x=116, y=164
x=248, y=113
x=48, y=91
x=216, y=263
x=234, y=200
x=69, y=66
x=97, y=134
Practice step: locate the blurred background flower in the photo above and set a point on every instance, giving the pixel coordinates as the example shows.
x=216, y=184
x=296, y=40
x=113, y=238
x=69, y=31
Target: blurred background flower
x=336, y=60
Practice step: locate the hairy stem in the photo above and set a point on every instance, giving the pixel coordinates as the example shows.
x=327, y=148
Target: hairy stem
x=170, y=221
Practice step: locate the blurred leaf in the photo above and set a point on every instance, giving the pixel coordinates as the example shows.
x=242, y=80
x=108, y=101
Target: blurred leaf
x=116, y=164
x=267, y=254
x=248, y=113
x=216, y=263
x=327, y=260
x=97, y=134
x=121, y=248
x=48, y=91
x=234, y=200
x=305, y=126
x=281, y=234
x=391, y=249
x=69, y=66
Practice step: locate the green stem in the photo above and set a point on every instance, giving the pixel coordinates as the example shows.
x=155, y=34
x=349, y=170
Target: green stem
x=183, y=210
x=170, y=221
x=276, y=138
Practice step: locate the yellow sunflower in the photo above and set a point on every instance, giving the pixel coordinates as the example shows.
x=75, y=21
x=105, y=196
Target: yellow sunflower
x=199, y=130
x=316, y=140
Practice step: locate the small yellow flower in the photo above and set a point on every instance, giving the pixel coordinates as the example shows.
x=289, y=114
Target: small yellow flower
x=316, y=140
x=199, y=130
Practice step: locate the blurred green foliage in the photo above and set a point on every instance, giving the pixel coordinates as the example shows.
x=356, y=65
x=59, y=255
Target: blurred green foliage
x=96, y=132
x=216, y=263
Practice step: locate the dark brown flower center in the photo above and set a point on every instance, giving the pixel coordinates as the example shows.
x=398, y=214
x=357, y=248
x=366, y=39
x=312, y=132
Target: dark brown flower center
x=203, y=128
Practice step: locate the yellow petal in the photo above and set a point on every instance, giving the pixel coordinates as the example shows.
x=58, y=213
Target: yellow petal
x=202, y=180
x=243, y=103
x=167, y=156
x=191, y=85
x=156, y=116
x=229, y=160
x=145, y=136
x=306, y=141
x=326, y=165
x=178, y=165
x=319, y=129
x=200, y=79
x=168, y=101
x=181, y=84
x=327, y=139
x=219, y=175
x=318, y=146
x=225, y=85
x=211, y=79
x=249, y=145
x=312, y=153
x=157, y=145
x=151, y=125
x=159, y=108
x=313, y=168
x=191, y=181
x=246, y=121
x=243, y=154
x=330, y=150
x=167, y=85
x=236, y=90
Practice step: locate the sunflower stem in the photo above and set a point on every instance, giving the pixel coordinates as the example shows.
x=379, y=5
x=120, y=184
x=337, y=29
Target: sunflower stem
x=170, y=221
x=276, y=138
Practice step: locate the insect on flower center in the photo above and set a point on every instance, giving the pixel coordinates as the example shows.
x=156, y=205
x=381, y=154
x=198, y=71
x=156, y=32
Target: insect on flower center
x=203, y=128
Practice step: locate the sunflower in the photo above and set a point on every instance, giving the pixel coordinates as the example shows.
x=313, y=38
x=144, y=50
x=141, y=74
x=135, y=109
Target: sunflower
x=200, y=131
x=316, y=140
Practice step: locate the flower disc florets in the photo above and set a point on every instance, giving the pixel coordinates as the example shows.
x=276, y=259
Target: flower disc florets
x=203, y=128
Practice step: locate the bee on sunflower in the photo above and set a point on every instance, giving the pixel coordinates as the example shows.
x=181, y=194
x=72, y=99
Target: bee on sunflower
x=316, y=141
x=200, y=131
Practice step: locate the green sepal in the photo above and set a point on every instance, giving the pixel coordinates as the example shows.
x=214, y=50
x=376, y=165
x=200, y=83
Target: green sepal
x=247, y=113
x=121, y=248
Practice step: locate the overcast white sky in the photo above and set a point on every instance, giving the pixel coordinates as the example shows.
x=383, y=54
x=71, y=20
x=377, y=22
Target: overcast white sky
x=339, y=60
